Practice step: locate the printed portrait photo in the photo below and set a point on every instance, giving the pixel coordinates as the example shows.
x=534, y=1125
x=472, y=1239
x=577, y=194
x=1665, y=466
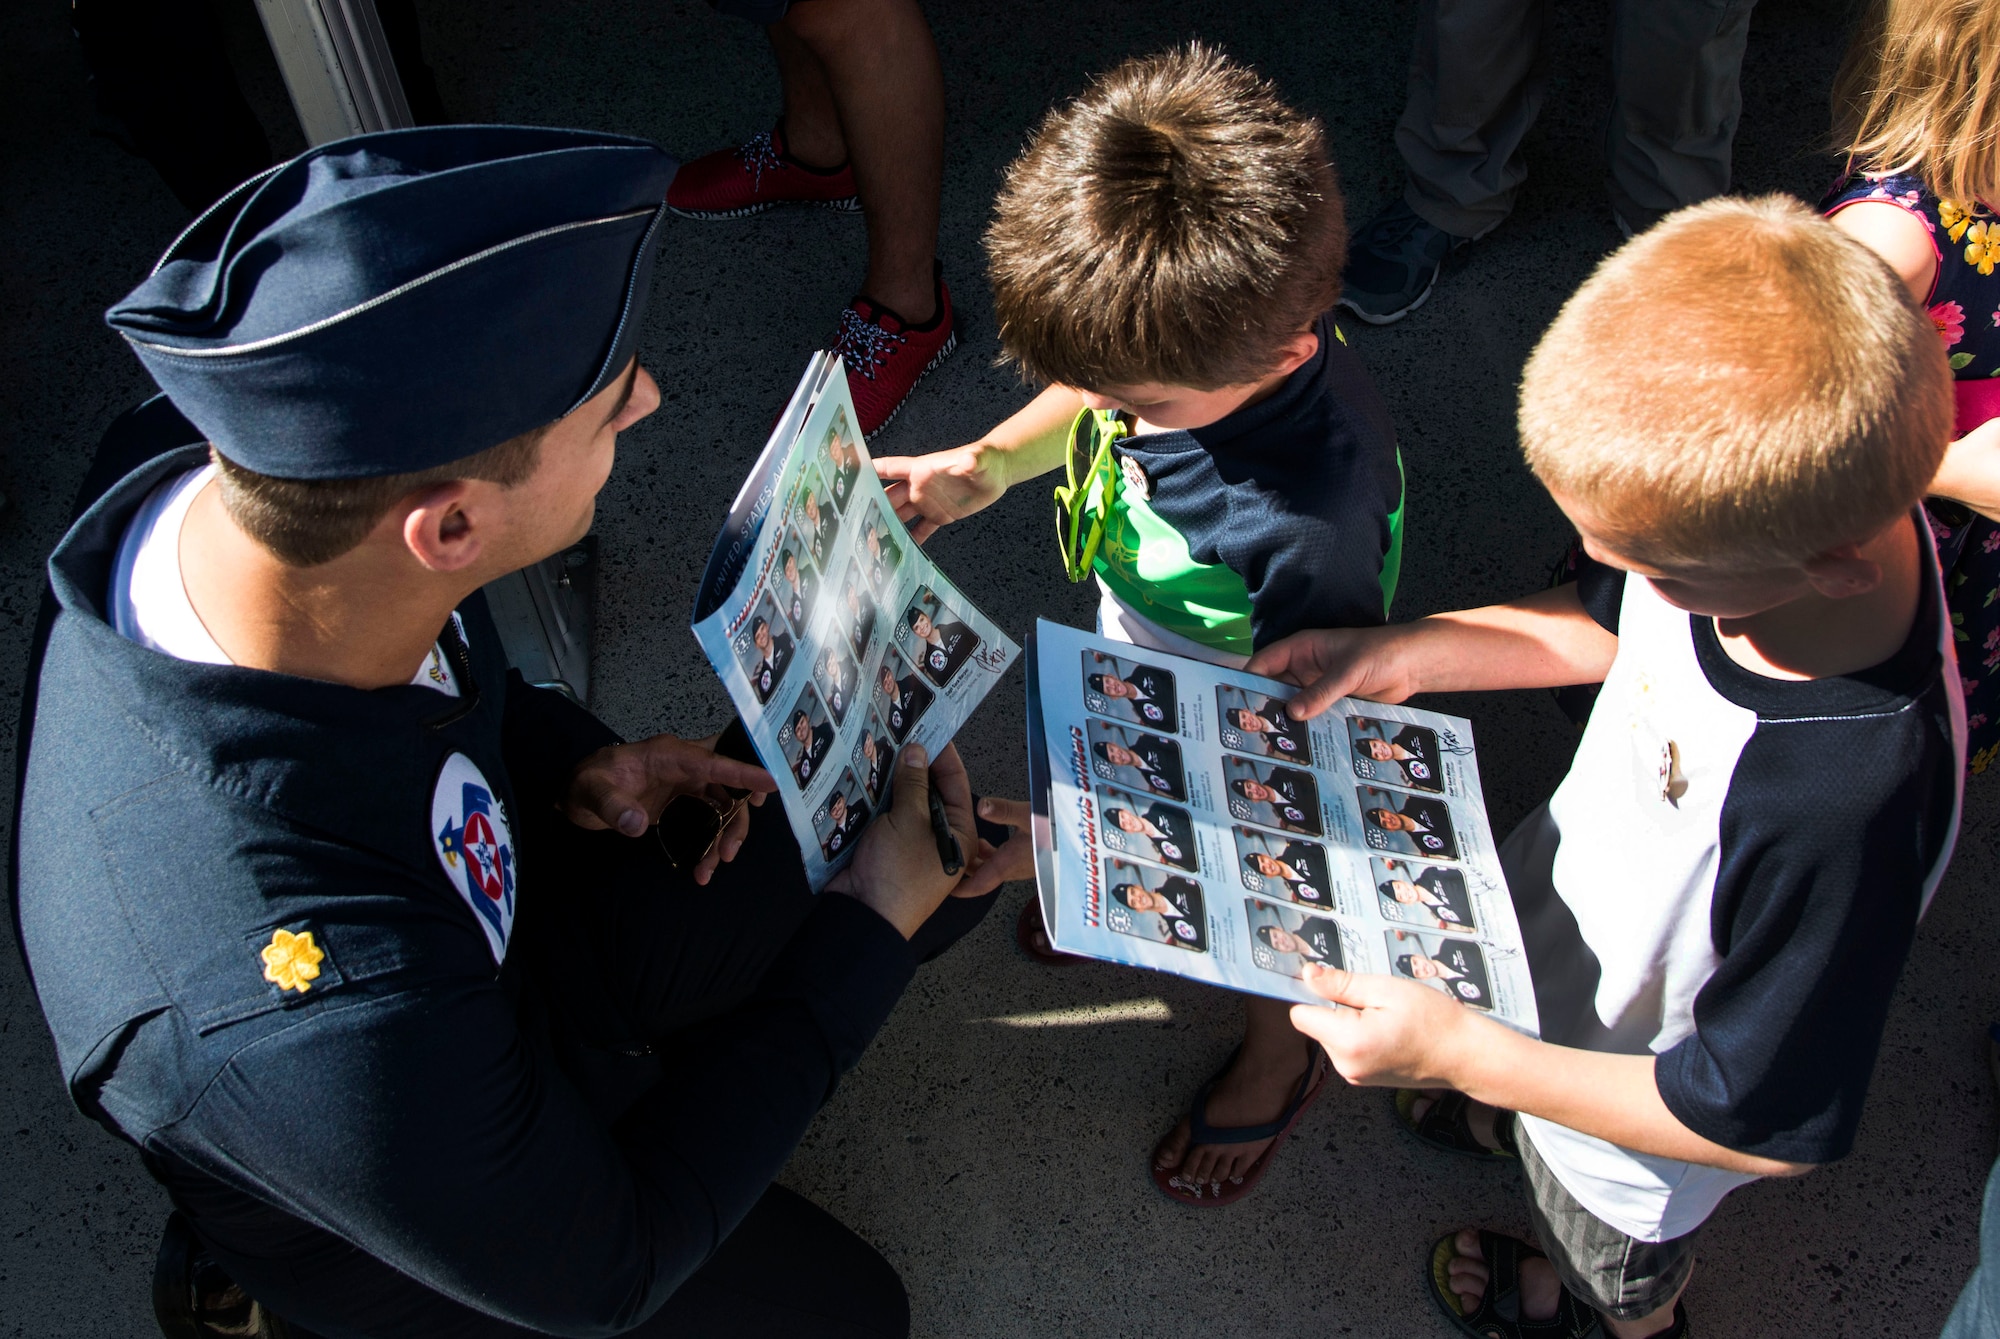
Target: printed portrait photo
x=815, y=517
x=838, y=679
x=1126, y=690
x=1284, y=940
x=881, y=549
x=1254, y=723
x=1400, y=754
x=1288, y=867
x=1153, y=904
x=935, y=637
x=1432, y=896
x=838, y=822
x=874, y=758
x=857, y=611
x=1276, y=797
x=1455, y=966
x=901, y=695
x=806, y=737
x=840, y=455
x=1406, y=824
x=1136, y=760
x=797, y=582
x=1148, y=828
x=764, y=648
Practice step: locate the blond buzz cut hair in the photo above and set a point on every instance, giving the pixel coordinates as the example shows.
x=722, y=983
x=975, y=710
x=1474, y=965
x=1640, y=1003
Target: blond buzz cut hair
x=1178, y=223
x=1741, y=385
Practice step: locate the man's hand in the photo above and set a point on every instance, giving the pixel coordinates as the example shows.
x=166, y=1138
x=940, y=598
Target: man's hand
x=930, y=492
x=1013, y=859
x=1332, y=663
x=627, y=785
x=1393, y=1034
x=896, y=869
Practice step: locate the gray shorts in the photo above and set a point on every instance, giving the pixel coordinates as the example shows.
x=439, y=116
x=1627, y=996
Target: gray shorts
x=1621, y=1276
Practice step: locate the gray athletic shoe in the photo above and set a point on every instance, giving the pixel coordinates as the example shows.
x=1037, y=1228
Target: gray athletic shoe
x=1393, y=263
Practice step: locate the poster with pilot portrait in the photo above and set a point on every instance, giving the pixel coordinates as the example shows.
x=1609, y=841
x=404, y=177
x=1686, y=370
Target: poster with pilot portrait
x=1286, y=939
x=1147, y=827
x=807, y=737
x=838, y=679
x=797, y=611
x=797, y=583
x=1275, y=796
x=1256, y=723
x=1301, y=862
x=934, y=637
x=901, y=695
x=1156, y=905
x=1273, y=864
x=764, y=648
x=1130, y=690
x=856, y=614
x=1406, y=824
x=1455, y=966
x=841, y=816
x=1415, y=892
x=1137, y=760
x=874, y=760
x=1397, y=753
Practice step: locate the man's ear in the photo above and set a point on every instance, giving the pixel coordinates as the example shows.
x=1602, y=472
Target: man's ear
x=443, y=528
x=1842, y=572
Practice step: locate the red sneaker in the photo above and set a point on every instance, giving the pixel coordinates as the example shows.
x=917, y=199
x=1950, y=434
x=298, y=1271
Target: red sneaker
x=886, y=357
x=754, y=177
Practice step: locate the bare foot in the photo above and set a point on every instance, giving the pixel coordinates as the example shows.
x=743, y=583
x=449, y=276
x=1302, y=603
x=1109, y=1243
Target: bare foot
x=1540, y=1288
x=1254, y=1090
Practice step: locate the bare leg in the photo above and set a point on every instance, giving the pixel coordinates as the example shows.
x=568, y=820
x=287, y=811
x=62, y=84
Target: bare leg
x=881, y=69
x=812, y=122
x=1267, y=1071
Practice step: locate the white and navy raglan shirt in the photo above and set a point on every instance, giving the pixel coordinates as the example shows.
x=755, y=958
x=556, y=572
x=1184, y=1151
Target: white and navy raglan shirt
x=1729, y=879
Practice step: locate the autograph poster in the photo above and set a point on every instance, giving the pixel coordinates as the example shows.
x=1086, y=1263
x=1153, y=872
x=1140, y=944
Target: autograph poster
x=1184, y=822
x=838, y=639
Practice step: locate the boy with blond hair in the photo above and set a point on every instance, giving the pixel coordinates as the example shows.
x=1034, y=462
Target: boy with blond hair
x=1165, y=257
x=1719, y=897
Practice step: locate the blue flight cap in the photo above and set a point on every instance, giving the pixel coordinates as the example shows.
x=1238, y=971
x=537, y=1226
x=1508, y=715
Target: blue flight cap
x=396, y=301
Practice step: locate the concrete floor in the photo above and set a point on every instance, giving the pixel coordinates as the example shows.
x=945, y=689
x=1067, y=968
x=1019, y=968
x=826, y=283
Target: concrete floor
x=994, y=1141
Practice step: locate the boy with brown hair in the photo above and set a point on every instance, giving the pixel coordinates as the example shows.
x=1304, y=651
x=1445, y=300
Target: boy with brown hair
x=1164, y=258
x=1715, y=907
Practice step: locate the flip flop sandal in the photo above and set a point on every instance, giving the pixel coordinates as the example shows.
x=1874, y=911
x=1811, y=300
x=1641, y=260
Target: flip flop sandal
x=1447, y=1124
x=1215, y=1194
x=1028, y=926
x=1498, y=1315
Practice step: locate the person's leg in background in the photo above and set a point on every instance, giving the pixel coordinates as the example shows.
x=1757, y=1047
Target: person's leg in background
x=1676, y=97
x=1977, y=1314
x=863, y=122
x=1477, y=80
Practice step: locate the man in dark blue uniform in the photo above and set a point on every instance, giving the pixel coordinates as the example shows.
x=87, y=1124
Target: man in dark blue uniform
x=363, y=942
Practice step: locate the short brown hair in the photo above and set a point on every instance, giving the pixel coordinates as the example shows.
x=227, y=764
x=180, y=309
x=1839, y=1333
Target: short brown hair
x=1741, y=384
x=1174, y=224
x=306, y=522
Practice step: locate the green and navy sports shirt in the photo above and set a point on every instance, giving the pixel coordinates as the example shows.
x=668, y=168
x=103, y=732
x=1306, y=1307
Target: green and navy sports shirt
x=1285, y=515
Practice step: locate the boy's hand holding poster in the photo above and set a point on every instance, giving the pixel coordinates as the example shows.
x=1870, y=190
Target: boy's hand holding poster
x=1184, y=822
x=838, y=640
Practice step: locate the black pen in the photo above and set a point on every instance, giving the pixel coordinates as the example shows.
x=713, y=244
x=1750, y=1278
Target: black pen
x=950, y=854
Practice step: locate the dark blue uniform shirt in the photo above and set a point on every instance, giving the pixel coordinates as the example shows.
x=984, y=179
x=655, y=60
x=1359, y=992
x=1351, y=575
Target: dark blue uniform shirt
x=177, y=816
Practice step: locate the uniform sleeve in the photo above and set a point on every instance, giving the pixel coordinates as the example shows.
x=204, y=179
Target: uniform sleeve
x=484, y=1176
x=1820, y=882
x=544, y=735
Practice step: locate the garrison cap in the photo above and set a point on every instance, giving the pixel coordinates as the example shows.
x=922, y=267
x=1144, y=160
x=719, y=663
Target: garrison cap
x=397, y=301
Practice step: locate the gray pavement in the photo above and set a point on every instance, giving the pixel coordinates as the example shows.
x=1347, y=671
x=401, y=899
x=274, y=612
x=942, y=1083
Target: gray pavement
x=993, y=1143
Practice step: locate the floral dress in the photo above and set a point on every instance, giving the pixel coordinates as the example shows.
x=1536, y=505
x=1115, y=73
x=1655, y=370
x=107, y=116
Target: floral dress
x=1964, y=304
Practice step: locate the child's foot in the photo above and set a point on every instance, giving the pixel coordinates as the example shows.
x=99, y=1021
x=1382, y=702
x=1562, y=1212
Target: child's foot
x=1469, y=1274
x=1392, y=264
x=1255, y=1090
x=756, y=176
x=1499, y=1287
x=887, y=356
x=1450, y=1120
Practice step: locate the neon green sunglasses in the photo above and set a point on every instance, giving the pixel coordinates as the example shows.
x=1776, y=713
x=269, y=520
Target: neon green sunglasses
x=1084, y=500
